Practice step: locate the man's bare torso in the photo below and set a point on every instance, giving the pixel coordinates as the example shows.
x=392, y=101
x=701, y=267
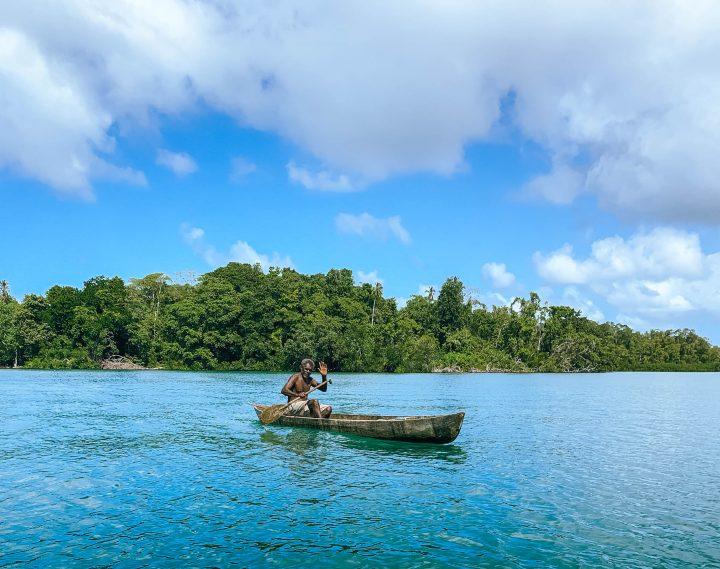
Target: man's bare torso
x=298, y=384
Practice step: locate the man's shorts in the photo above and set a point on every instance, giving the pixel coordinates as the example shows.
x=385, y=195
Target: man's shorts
x=299, y=408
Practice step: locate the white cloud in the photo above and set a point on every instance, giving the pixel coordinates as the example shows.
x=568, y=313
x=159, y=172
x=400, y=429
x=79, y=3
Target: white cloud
x=370, y=278
x=497, y=299
x=240, y=251
x=659, y=253
x=650, y=275
x=498, y=274
x=180, y=163
x=241, y=167
x=427, y=289
x=560, y=186
x=623, y=98
x=572, y=297
x=322, y=180
x=633, y=321
x=49, y=130
x=490, y=299
x=191, y=234
x=423, y=290
x=560, y=266
x=367, y=225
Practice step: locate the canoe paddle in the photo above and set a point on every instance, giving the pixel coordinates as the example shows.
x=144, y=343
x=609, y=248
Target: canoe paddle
x=274, y=412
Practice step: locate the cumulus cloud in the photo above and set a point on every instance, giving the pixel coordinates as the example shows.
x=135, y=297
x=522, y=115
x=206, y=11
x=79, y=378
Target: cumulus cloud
x=648, y=275
x=423, y=290
x=427, y=289
x=560, y=186
x=241, y=167
x=49, y=130
x=180, y=163
x=572, y=297
x=367, y=225
x=192, y=234
x=633, y=321
x=370, y=278
x=660, y=253
x=623, y=99
x=488, y=298
x=320, y=180
x=498, y=275
x=240, y=251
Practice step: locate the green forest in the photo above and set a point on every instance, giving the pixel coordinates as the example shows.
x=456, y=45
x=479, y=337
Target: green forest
x=240, y=318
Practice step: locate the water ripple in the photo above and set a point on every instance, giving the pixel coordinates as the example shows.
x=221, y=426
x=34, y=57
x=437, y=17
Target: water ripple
x=146, y=469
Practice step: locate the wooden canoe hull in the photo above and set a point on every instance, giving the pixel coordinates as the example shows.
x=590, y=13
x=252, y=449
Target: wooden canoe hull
x=438, y=429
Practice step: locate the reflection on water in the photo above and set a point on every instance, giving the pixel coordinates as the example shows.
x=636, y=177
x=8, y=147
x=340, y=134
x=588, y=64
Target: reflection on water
x=174, y=469
x=298, y=441
x=421, y=451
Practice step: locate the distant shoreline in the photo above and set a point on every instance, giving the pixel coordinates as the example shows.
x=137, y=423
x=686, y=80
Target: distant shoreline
x=454, y=372
x=240, y=318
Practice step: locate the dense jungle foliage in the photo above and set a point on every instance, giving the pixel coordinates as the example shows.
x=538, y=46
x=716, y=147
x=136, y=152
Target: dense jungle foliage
x=237, y=317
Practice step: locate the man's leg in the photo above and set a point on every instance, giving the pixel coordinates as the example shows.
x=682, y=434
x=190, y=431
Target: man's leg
x=314, y=405
x=298, y=408
x=325, y=411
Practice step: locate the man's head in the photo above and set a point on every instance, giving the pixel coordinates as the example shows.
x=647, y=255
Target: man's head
x=306, y=367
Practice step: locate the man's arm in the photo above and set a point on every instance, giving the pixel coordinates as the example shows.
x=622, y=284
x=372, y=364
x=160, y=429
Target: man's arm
x=323, y=371
x=289, y=389
x=320, y=386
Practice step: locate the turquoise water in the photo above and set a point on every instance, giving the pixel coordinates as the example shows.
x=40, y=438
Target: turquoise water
x=172, y=469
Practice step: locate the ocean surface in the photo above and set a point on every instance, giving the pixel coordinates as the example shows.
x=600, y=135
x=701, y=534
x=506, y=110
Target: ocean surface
x=165, y=469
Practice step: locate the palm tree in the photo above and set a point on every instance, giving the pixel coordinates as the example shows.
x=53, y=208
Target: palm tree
x=431, y=294
x=375, y=295
x=4, y=291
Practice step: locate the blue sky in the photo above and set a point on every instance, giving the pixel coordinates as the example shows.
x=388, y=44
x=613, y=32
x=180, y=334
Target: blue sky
x=181, y=136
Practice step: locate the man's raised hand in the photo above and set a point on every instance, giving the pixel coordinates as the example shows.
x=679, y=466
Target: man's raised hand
x=323, y=369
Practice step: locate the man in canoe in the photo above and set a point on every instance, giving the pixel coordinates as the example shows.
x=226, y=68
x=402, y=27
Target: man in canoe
x=298, y=385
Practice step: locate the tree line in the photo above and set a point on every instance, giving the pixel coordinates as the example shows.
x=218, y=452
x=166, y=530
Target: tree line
x=238, y=317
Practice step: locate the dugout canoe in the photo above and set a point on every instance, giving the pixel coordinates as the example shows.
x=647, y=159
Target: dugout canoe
x=438, y=429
